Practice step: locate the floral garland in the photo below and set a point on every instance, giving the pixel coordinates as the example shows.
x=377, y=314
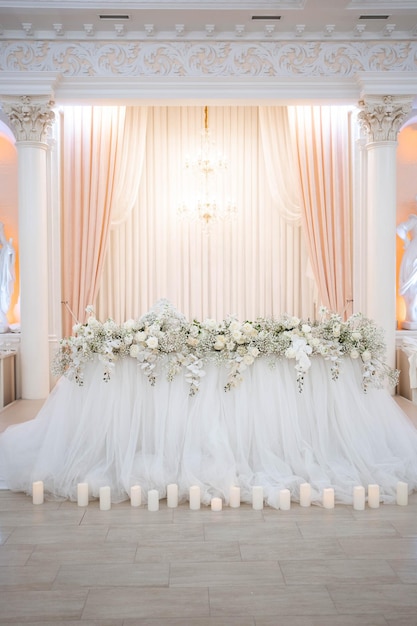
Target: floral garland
x=188, y=346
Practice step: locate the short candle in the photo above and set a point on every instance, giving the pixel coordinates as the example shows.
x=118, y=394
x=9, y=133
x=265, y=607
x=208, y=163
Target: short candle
x=37, y=492
x=402, y=494
x=285, y=499
x=172, y=496
x=373, y=496
x=305, y=494
x=105, y=498
x=359, y=498
x=257, y=498
x=153, y=500
x=328, y=498
x=135, y=495
x=194, y=497
x=216, y=504
x=82, y=494
x=234, y=497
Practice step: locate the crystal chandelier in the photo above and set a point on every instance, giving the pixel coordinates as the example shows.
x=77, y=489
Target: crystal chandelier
x=208, y=167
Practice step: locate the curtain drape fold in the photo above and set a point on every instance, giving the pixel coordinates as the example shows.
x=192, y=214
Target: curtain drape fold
x=280, y=162
x=92, y=143
x=323, y=148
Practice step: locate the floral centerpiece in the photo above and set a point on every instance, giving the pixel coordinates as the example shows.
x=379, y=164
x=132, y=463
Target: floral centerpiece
x=164, y=335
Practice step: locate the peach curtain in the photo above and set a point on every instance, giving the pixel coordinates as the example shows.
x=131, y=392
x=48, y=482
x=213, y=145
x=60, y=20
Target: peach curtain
x=324, y=156
x=92, y=140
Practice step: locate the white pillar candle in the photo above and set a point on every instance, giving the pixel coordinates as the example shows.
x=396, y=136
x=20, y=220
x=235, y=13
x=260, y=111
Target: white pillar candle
x=135, y=495
x=172, y=496
x=359, y=498
x=82, y=494
x=194, y=498
x=234, y=497
x=305, y=494
x=402, y=494
x=153, y=500
x=37, y=492
x=373, y=496
x=328, y=498
x=105, y=498
x=285, y=499
x=216, y=504
x=257, y=498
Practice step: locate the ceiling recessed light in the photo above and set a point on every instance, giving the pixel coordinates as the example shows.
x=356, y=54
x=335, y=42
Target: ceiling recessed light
x=266, y=17
x=114, y=17
x=373, y=17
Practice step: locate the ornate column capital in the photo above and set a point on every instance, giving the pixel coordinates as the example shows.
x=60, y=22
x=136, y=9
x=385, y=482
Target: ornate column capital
x=382, y=116
x=30, y=116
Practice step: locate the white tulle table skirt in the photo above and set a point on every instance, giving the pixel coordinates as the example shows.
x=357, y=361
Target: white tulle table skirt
x=264, y=432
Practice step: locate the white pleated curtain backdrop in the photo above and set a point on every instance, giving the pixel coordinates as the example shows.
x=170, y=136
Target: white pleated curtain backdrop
x=252, y=265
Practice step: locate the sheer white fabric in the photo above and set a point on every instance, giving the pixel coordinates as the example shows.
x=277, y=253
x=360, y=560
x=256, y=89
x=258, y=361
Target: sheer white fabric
x=253, y=265
x=281, y=162
x=265, y=432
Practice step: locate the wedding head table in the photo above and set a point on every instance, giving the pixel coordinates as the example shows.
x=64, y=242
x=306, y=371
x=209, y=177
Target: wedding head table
x=271, y=403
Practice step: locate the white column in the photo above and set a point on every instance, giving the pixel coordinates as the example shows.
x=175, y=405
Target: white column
x=31, y=118
x=381, y=118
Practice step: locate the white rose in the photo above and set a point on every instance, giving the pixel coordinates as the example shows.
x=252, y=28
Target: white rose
x=140, y=336
x=76, y=328
x=218, y=345
x=290, y=353
x=134, y=350
x=210, y=323
x=152, y=342
x=129, y=324
x=354, y=354
x=295, y=321
x=234, y=325
x=236, y=334
x=248, y=359
x=254, y=351
x=366, y=356
x=128, y=340
x=356, y=336
x=306, y=328
x=192, y=341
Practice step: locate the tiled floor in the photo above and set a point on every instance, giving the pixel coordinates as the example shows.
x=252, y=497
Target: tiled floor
x=62, y=564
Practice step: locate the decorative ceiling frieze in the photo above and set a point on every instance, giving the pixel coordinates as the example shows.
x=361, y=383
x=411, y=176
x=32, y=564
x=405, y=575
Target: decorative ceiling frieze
x=204, y=59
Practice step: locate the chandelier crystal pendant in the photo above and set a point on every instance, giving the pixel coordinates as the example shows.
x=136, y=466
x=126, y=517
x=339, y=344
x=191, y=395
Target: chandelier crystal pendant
x=208, y=167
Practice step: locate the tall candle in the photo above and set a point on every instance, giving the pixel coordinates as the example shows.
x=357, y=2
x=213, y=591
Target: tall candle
x=135, y=495
x=105, y=498
x=194, y=497
x=402, y=494
x=373, y=496
x=82, y=494
x=359, y=498
x=216, y=504
x=172, y=496
x=234, y=497
x=285, y=499
x=153, y=500
x=305, y=494
x=328, y=498
x=37, y=492
x=257, y=498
